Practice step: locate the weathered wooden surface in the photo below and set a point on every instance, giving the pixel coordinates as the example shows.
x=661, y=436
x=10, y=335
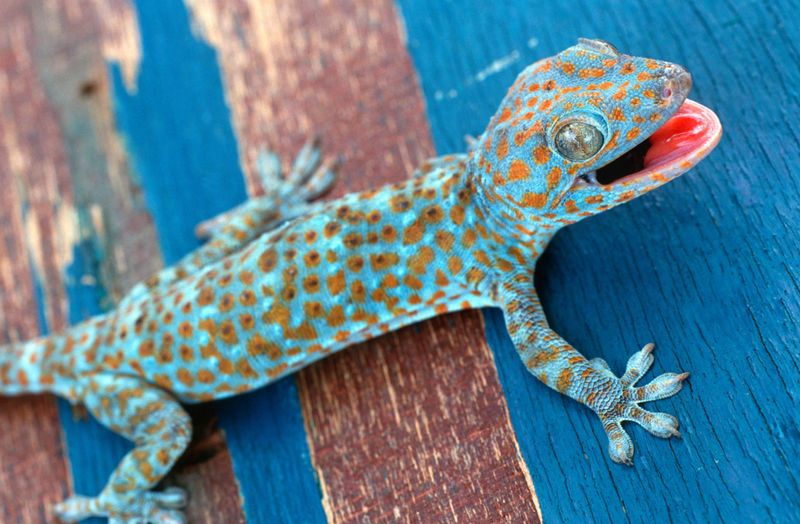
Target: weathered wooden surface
x=193, y=93
x=707, y=267
x=33, y=469
x=106, y=171
x=341, y=70
x=85, y=237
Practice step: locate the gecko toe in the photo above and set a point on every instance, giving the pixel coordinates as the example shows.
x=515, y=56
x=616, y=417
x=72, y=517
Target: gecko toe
x=662, y=386
x=638, y=364
x=661, y=425
x=171, y=498
x=620, y=445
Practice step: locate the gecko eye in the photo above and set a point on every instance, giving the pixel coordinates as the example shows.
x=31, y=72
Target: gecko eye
x=578, y=141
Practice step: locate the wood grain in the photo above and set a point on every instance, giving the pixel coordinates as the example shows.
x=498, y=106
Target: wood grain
x=412, y=427
x=89, y=237
x=707, y=267
x=33, y=470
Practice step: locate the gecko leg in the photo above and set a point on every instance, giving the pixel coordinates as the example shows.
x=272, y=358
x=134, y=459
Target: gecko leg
x=288, y=195
x=160, y=430
x=556, y=363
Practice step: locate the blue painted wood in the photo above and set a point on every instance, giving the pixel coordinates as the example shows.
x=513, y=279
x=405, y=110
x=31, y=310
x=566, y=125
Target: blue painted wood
x=178, y=132
x=707, y=267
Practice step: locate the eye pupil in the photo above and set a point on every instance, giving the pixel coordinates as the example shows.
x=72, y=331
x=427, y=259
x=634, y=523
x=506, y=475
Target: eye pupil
x=578, y=141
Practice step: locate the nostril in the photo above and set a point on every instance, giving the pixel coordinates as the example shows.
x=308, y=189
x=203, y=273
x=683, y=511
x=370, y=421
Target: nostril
x=678, y=81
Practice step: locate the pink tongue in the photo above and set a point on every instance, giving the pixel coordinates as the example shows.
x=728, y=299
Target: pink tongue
x=681, y=133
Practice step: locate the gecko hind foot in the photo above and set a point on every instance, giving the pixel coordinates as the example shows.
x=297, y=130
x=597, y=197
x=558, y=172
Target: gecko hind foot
x=148, y=507
x=621, y=403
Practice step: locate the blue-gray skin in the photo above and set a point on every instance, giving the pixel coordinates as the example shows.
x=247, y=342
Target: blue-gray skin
x=283, y=282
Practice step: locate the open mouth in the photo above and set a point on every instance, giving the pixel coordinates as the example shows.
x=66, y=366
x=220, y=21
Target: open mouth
x=685, y=139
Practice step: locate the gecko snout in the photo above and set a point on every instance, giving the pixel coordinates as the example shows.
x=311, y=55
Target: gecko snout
x=678, y=81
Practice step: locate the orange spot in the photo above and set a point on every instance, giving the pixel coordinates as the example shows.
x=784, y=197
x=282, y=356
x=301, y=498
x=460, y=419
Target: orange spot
x=412, y=282
x=227, y=332
x=475, y=275
x=502, y=148
x=331, y=229
x=336, y=316
x=313, y=309
x=355, y=263
x=633, y=133
x=433, y=214
x=444, y=240
x=267, y=260
x=537, y=200
x=184, y=377
x=519, y=170
x=205, y=376
x=382, y=261
x=591, y=72
x=469, y=237
x=358, y=292
x=413, y=233
x=541, y=154
x=454, y=264
x=617, y=114
x=336, y=282
x=553, y=177
x=418, y=262
x=388, y=233
x=564, y=380
x=457, y=215
x=226, y=302
x=311, y=284
x=205, y=297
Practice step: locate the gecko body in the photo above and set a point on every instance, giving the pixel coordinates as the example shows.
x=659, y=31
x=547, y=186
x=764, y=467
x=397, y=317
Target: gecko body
x=285, y=281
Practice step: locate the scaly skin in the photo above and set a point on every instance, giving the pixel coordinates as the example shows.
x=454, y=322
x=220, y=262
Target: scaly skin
x=282, y=282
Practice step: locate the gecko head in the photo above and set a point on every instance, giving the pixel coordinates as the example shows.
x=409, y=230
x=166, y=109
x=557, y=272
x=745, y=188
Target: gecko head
x=590, y=128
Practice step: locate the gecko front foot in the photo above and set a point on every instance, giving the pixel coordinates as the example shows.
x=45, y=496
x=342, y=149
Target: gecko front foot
x=616, y=400
x=144, y=507
x=286, y=194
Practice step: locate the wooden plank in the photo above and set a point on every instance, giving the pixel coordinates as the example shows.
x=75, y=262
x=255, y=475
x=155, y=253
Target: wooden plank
x=33, y=470
x=340, y=70
x=706, y=267
x=104, y=235
x=177, y=126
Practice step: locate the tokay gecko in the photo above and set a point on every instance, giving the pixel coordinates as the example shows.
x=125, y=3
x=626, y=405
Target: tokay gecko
x=286, y=279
